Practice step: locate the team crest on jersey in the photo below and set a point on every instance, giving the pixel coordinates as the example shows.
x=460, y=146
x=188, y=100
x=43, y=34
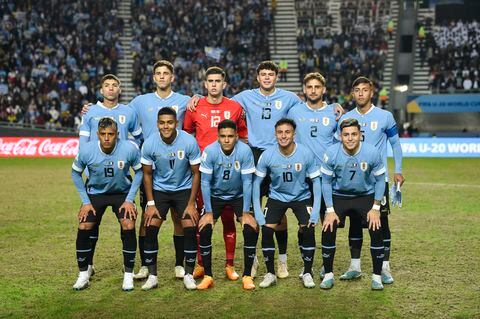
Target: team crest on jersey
x=236, y=165
x=326, y=121
x=278, y=104
x=226, y=115
x=122, y=119
x=298, y=167
x=374, y=125
x=181, y=154
x=121, y=164
x=175, y=108
x=363, y=166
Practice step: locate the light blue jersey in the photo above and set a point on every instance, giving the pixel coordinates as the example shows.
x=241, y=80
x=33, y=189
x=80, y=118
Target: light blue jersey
x=125, y=117
x=263, y=112
x=315, y=128
x=108, y=173
x=147, y=106
x=377, y=127
x=227, y=177
x=352, y=175
x=171, y=161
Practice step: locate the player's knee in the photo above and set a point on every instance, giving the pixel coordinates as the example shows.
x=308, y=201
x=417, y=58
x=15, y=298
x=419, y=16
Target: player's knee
x=86, y=226
x=206, y=231
x=267, y=236
x=127, y=224
x=308, y=235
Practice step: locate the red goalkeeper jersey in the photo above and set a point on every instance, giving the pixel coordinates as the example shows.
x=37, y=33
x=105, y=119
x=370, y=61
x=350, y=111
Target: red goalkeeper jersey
x=204, y=121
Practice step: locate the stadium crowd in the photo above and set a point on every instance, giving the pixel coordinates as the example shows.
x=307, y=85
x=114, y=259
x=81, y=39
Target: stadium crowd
x=342, y=57
x=452, y=53
x=233, y=34
x=52, y=55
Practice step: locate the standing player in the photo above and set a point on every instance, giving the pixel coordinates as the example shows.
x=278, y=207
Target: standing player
x=210, y=111
x=227, y=168
x=316, y=124
x=171, y=179
x=377, y=127
x=354, y=173
x=108, y=162
x=288, y=164
x=126, y=119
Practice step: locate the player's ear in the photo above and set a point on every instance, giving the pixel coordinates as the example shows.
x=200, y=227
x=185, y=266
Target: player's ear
x=205, y=85
x=224, y=85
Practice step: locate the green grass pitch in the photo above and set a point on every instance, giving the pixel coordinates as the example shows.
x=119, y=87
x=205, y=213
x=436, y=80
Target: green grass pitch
x=435, y=257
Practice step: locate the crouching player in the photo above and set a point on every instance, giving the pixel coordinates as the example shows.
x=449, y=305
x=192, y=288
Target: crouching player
x=353, y=183
x=288, y=164
x=109, y=184
x=227, y=168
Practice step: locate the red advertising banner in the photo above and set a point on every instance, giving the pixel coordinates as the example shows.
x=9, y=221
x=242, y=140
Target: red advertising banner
x=38, y=146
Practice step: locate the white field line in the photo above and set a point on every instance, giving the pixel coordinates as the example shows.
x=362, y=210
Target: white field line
x=444, y=184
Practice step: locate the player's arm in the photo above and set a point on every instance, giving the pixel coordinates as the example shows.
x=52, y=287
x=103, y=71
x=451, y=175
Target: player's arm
x=192, y=103
x=128, y=205
x=189, y=122
x=85, y=108
x=206, y=170
x=260, y=174
x=317, y=199
x=378, y=171
x=397, y=157
x=194, y=160
x=136, y=130
x=147, y=164
x=338, y=110
x=241, y=125
x=84, y=130
x=78, y=167
x=327, y=191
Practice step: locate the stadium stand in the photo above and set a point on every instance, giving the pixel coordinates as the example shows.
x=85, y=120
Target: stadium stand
x=52, y=55
x=232, y=34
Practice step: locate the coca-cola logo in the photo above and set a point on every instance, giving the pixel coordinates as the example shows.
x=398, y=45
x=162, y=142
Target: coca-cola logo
x=38, y=147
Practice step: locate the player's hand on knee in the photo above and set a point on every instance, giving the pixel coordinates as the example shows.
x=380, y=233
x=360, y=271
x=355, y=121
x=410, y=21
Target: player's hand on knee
x=192, y=212
x=206, y=219
x=329, y=221
x=85, y=108
x=373, y=218
x=84, y=211
x=248, y=219
x=150, y=212
x=192, y=103
x=130, y=210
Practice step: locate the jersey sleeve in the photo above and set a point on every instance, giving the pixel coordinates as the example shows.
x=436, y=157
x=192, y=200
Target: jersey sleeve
x=327, y=168
x=294, y=100
x=378, y=168
x=79, y=163
x=312, y=170
x=147, y=156
x=261, y=170
x=135, y=157
x=241, y=124
x=392, y=129
x=189, y=122
x=239, y=98
x=248, y=165
x=135, y=128
x=194, y=155
x=207, y=163
x=84, y=130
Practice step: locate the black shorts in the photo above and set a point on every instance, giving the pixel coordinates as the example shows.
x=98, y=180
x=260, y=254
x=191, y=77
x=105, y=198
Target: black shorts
x=218, y=205
x=265, y=186
x=356, y=208
x=178, y=201
x=385, y=204
x=275, y=210
x=100, y=202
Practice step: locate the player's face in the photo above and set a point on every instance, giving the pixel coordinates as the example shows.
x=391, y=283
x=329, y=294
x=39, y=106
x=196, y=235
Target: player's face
x=314, y=91
x=163, y=78
x=267, y=79
x=166, y=125
x=227, y=137
x=362, y=94
x=110, y=90
x=108, y=138
x=351, y=138
x=284, y=134
x=215, y=84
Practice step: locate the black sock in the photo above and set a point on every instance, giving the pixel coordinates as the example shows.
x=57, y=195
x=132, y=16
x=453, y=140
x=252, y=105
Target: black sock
x=129, y=241
x=151, y=248
x=179, y=254
x=268, y=248
x=300, y=241
x=387, y=236
x=282, y=241
x=84, y=249
x=355, y=238
x=190, y=248
x=93, y=242
x=206, y=248
x=377, y=250
x=141, y=248
x=308, y=249
x=250, y=238
x=328, y=248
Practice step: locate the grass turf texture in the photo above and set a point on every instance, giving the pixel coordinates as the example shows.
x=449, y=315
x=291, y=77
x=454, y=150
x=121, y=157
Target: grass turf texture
x=435, y=257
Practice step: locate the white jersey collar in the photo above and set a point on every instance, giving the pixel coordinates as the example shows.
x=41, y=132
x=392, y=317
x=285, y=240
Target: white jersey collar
x=291, y=154
x=107, y=108
x=369, y=110
x=358, y=151
x=171, y=93
x=260, y=91
x=316, y=110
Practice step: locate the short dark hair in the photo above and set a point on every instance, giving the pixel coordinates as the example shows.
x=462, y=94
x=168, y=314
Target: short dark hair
x=107, y=122
x=286, y=121
x=215, y=70
x=314, y=76
x=349, y=123
x=110, y=77
x=227, y=124
x=267, y=65
x=164, y=63
x=167, y=111
x=360, y=80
